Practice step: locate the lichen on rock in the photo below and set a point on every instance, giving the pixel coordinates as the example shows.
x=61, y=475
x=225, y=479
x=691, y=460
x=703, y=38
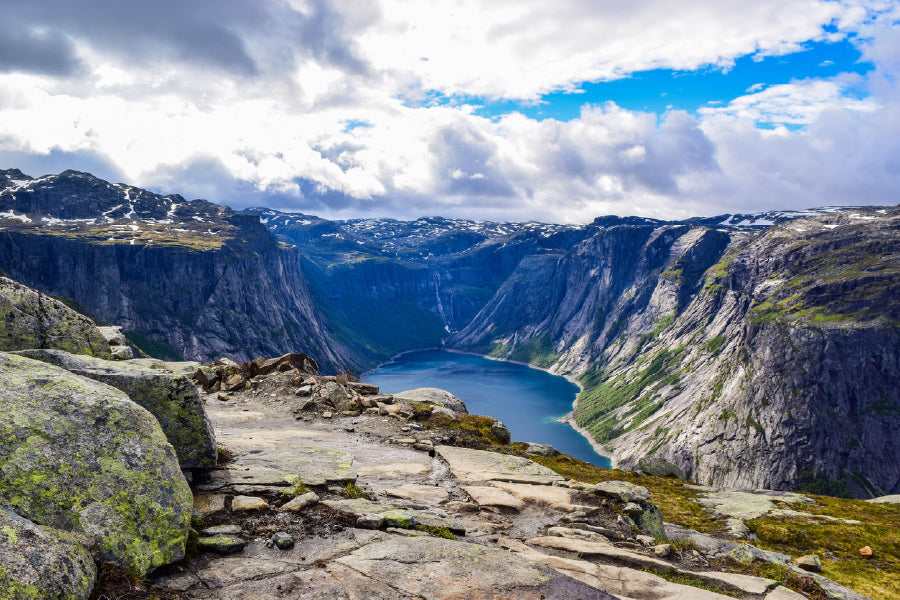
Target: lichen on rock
x=79, y=456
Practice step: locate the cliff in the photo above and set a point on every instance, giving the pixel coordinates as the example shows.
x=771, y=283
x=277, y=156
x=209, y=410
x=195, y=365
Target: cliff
x=195, y=278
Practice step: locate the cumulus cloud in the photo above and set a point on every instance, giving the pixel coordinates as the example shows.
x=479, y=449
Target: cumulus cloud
x=369, y=107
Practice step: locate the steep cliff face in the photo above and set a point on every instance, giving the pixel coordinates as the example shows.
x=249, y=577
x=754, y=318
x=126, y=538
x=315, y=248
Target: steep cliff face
x=200, y=278
x=747, y=359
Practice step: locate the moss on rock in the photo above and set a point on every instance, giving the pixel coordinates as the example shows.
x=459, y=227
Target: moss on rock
x=80, y=456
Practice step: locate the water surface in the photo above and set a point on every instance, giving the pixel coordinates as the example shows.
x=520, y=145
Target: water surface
x=527, y=400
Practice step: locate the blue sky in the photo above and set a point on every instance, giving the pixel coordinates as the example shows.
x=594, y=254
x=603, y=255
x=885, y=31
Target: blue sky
x=488, y=110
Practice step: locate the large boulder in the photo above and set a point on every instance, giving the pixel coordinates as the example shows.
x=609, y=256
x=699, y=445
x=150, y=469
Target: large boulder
x=173, y=400
x=36, y=562
x=78, y=455
x=434, y=396
x=32, y=320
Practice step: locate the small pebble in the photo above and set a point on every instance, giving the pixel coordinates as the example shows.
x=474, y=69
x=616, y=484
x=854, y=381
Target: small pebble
x=284, y=541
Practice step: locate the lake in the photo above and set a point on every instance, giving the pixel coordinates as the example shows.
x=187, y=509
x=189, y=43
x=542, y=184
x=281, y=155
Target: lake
x=527, y=400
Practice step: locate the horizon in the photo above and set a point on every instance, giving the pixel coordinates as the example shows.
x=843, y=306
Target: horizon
x=473, y=110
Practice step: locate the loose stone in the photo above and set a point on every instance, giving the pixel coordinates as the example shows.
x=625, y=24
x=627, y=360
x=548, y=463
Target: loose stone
x=282, y=540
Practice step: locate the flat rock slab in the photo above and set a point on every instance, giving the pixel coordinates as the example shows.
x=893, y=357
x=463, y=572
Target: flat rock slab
x=436, y=568
x=394, y=469
x=537, y=494
x=206, y=505
x=309, y=466
x=623, y=490
x=394, y=515
x=428, y=494
x=783, y=593
x=749, y=505
x=472, y=466
x=586, y=548
x=486, y=495
x=893, y=499
x=248, y=504
x=228, y=570
x=745, y=583
x=622, y=581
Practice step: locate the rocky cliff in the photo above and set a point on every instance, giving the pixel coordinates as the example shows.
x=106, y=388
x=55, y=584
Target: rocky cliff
x=745, y=350
x=190, y=277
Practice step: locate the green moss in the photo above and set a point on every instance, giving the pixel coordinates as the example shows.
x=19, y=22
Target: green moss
x=351, y=490
x=714, y=345
x=441, y=532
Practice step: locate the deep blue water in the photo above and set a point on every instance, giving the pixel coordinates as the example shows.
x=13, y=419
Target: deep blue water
x=527, y=400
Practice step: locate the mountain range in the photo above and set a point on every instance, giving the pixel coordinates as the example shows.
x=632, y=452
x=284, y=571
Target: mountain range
x=745, y=350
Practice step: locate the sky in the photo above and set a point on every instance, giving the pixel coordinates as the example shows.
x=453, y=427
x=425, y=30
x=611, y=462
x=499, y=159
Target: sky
x=505, y=110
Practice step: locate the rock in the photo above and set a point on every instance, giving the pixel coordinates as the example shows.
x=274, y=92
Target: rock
x=443, y=411
x=500, y=431
x=172, y=399
x=470, y=466
x=300, y=502
x=32, y=320
x=660, y=467
x=206, y=505
x=283, y=540
x=866, y=552
x=579, y=534
x=491, y=496
x=221, y=530
x=434, y=396
x=537, y=494
x=312, y=467
x=663, y=550
x=79, y=454
x=121, y=352
x=736, y=529
x=370, y=521
x=783, y=593
x=746, y=554
x=391, y=515
x=650, y=520
x=233, y=382
x=363, y=389
x=541, y=450
x=432, y=567
x=247, y=504
x=304, y=390
x=113, y=335
x=38, y=562
x=221, y=544
x=223, y=397
x=893, y=499
x=748, y=584
x=622, y=490
x=584, y=548
x=286, y=362
x=632, y=510
x=424, y=493
x=810, y=562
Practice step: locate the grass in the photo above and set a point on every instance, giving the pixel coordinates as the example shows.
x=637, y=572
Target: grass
x=441, y=532
x=154, y=349
x=839, y=543
x=537, y=351
x=353, y=491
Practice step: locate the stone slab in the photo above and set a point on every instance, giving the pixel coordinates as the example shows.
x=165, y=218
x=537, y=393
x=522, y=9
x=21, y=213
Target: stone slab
x=490, y=496
x=439, y=568
x=473, y=466
x=599, y=549
x=536, y=494
x=310, y=466
x=428, y=494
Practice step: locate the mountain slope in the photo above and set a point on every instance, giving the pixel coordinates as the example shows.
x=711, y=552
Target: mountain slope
x=193, y=275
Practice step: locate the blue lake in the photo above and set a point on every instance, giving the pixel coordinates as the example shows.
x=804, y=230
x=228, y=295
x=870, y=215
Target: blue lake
x=527, y=400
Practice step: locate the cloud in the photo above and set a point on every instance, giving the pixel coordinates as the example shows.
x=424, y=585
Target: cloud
x=254, y=103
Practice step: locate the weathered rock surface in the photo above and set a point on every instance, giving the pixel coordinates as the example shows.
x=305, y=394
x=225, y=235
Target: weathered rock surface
x=477, y=465
x=448, y=569
x=172, y=399
x=78, y=455
x=434, y=396
x=33, y=320
x=37, y=562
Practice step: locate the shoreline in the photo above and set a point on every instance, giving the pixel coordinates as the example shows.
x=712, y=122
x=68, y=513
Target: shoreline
x=568, y=418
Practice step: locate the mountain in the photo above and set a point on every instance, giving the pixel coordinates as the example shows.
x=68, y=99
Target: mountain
x=746, y=350
x=187, y=278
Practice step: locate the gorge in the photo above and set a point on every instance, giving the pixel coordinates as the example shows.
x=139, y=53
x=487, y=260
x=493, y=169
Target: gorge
x=746, y=350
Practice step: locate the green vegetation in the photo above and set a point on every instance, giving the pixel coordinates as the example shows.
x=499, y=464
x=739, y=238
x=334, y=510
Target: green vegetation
x=152, y=348
x=714, y=345
x=441, y=532
x=353, y=491
x=537, y=351
x=602, y=396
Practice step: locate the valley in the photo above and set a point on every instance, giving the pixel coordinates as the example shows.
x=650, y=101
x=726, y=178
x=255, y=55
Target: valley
x=744, y=350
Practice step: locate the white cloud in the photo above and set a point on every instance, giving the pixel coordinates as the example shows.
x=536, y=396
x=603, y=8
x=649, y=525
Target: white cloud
x=258, y=107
